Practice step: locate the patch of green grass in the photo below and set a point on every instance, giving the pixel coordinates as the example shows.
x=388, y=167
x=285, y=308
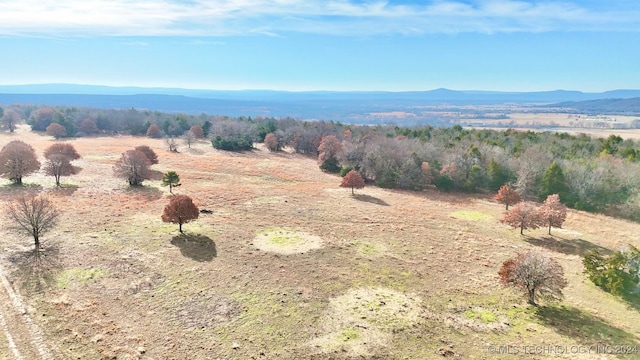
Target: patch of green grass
x=484, y=315
x=471, y=215
x=79, y=276
x=282, y=236
x=348, y=334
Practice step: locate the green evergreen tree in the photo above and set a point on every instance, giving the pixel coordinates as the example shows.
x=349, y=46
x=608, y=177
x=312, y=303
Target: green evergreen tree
x=171, y=179
x=497, y=175
x=553, y=182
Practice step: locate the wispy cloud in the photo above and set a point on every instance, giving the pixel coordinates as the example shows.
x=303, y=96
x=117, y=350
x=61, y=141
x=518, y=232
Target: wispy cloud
x=57, y=18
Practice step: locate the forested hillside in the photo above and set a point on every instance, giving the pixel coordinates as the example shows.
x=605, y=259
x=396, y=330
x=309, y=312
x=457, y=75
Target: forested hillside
x=591, y=174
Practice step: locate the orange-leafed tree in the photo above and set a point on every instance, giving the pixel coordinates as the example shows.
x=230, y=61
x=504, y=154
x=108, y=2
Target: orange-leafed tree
x=508, y=196
x=133, y=166
x=59, y=157
x=180, y=210
x=18, y=159
x=352, y=180
x=154, y=131
x=553, y=212
x=197, y=131
x=524, y=215
x=149, y=153
x=56, y=130
x=329, y=148
x=64, y=149
x=272, y=143
x=535, y=273
x=88, y=126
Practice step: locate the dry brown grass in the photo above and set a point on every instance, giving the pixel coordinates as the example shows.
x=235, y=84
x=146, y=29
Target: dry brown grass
x=123, y=284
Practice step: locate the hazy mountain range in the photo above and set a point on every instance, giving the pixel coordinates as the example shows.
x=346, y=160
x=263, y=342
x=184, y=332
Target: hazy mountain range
x=334, y=105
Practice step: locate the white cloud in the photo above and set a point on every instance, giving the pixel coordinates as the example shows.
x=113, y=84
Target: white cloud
x=65, y=18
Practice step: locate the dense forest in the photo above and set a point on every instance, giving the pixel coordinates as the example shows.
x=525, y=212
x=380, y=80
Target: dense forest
x=598, y=175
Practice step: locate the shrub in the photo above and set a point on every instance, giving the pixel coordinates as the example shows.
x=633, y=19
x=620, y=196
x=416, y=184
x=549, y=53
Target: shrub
x=444, y=183
x=232, y=143
x=345, y=170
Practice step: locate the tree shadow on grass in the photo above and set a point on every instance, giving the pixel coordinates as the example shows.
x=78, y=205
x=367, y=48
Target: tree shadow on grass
x=20, y=189
x=155, y=175
x=196, y=247
x=584, y=327
x=578, y=247
x=66, y=190
x=370, y=199
x=37, y=270
x=147, y=192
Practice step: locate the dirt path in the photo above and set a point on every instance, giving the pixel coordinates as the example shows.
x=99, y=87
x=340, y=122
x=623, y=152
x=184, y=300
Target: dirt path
x=24, y=340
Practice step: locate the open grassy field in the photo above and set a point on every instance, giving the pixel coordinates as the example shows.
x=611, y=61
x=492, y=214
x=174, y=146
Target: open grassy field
x=288, y=266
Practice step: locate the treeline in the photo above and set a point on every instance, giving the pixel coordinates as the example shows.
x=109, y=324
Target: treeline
x=592, y=174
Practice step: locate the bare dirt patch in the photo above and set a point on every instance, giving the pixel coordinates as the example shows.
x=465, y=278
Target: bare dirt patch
x=286, y=241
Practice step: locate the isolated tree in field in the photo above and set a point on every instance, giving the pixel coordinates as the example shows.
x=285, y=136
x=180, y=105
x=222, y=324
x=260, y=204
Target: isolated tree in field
x=553, y=212
x=172, y=144
x=352, y=180
x=508, y=196
x=65, y=149
x=10, y=119
x=88, y=126
x=149, y=153
x=59, y=157
x=154, y=131
x=18, y=159
x=133, y=166
x=536, y=273
x=197, y=131
x=171, y=179
x=189, y=138
x=56, y=130
x=180, y=210
x=523, y=215
x=32, y=216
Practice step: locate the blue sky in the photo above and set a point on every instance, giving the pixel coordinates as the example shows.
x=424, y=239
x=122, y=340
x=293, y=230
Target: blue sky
x=502, y=45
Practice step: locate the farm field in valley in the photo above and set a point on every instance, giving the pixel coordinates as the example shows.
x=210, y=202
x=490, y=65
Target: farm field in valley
x=287, y=266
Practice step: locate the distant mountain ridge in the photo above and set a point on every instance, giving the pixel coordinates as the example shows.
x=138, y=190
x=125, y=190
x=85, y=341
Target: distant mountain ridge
x=629, y=106
x=333, y=105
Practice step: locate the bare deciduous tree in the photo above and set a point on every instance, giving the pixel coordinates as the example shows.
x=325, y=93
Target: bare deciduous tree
x=10, y=119
x=133, y=166
x=33, y=216
x=536, y=273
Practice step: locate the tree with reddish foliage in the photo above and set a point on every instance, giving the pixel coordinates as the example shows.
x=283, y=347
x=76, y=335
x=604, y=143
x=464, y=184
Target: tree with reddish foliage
x=59, y=157
x=133, y=166
x=180, y=210
x=329, y=148
x=154, y=131
x=64, y=149
x=18, y=159
x=524, y=215
x=149, y=153
x=352, y=180
x=88, y=126
x=272, y=143
x=56, y=130
x=536, y=273
x=553, y=212
x=33, y=216
x=197, y=131
x=508, y=196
